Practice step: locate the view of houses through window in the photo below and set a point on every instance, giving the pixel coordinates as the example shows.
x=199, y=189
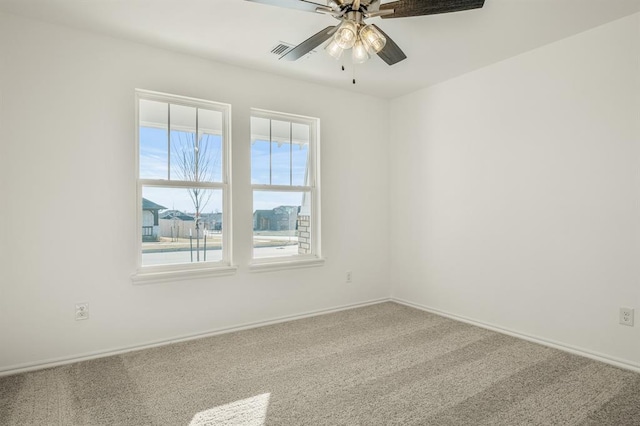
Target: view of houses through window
x=183, y=183
x=283, y=181
x=173, y=235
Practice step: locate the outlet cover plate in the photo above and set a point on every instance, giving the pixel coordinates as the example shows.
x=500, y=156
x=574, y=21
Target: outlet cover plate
x=626, y=316
x=82, y=311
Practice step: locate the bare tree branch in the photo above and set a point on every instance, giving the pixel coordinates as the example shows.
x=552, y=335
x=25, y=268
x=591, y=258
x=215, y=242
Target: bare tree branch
x=196, y=162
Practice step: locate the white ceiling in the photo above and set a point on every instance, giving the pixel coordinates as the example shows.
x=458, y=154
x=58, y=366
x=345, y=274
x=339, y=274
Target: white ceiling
x=243, y=33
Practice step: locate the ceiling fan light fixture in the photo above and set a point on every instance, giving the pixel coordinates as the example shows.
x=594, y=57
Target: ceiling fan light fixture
x=334, y=50
x=359, y=52
x=352, y=27
x=373, y=38
x=346, y=34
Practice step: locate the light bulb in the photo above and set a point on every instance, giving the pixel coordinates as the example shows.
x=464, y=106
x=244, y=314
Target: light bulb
x=347, y=34
x=334, y=50
x=373, y=38
x=359, y=52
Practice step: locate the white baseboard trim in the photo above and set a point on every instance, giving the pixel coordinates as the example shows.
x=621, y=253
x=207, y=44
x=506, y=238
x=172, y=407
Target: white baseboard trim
x=627, y=365
x=23, y=368
x=39, y=365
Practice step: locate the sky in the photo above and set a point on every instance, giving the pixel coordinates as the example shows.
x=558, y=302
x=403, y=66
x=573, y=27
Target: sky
x=271, y=163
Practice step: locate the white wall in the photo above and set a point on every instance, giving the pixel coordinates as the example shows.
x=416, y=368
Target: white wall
x=515, y=192
x=67, y=154
x=512, y=193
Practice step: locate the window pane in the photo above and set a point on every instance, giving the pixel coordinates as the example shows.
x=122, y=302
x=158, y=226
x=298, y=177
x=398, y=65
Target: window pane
x=174, y=231
x=260, y=151
x=183, y=143
x=153, y=139
x=281, y=223
x=280, y=152
x=300, y=154
x=209, y=149
x=280, y=163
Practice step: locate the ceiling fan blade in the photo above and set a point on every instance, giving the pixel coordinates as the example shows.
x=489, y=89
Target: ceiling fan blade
x=309, y=44
x=305, y=5
x=391, y=53
x=378, y=13
x=406, y=8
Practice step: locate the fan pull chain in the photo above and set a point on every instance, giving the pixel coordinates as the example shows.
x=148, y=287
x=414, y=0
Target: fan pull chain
x=353, y=75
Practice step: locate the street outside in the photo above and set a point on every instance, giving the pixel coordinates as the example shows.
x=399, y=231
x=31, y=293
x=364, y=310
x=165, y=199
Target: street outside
x=178, y=250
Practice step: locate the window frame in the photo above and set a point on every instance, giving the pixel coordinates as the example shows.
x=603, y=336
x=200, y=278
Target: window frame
x=160, y=273
x=313, y=187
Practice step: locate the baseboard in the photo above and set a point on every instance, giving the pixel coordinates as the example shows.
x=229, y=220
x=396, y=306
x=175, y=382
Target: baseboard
x=545, y=342
x=23, y=368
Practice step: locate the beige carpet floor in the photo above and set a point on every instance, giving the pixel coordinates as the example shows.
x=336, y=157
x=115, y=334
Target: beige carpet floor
x=385, y=364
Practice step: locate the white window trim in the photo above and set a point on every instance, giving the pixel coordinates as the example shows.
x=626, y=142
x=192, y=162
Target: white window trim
x=172, y=272
x=279, y=263
x=149, y=277
x=301, y=260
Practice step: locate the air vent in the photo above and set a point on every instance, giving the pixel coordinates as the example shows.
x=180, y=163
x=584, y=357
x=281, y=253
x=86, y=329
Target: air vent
x=282, y=49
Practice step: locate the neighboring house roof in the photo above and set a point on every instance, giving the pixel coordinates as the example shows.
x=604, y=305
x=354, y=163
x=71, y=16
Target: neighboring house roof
x=286, y=210
x=176, y=214
x=150, y=205
x=278, y=210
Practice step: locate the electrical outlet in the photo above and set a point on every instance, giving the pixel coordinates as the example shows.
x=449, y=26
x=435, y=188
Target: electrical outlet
x=82, y=311
x=349, y=277
x=626, y=316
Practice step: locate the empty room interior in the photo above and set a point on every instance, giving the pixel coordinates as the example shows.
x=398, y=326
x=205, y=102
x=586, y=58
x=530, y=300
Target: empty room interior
x=292, y=212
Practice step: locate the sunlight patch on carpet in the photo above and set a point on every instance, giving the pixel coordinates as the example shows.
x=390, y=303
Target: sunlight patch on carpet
x=246, y=412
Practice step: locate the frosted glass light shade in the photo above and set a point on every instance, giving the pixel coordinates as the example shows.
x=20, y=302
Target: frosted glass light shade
x=347, y=34
x=334, y=50
x=359, y=53
x=373, y=38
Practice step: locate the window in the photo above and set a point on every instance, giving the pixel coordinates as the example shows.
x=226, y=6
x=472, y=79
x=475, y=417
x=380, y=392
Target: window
x=183, y=184
x=285, y=183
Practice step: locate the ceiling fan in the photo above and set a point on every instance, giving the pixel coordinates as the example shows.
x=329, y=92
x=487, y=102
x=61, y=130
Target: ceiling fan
x=353, y=33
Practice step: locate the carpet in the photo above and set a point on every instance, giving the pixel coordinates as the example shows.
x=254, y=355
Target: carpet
x=385, y=364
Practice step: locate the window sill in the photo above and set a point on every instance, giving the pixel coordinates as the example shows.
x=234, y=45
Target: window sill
x=280, y=264
x=152, y=277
